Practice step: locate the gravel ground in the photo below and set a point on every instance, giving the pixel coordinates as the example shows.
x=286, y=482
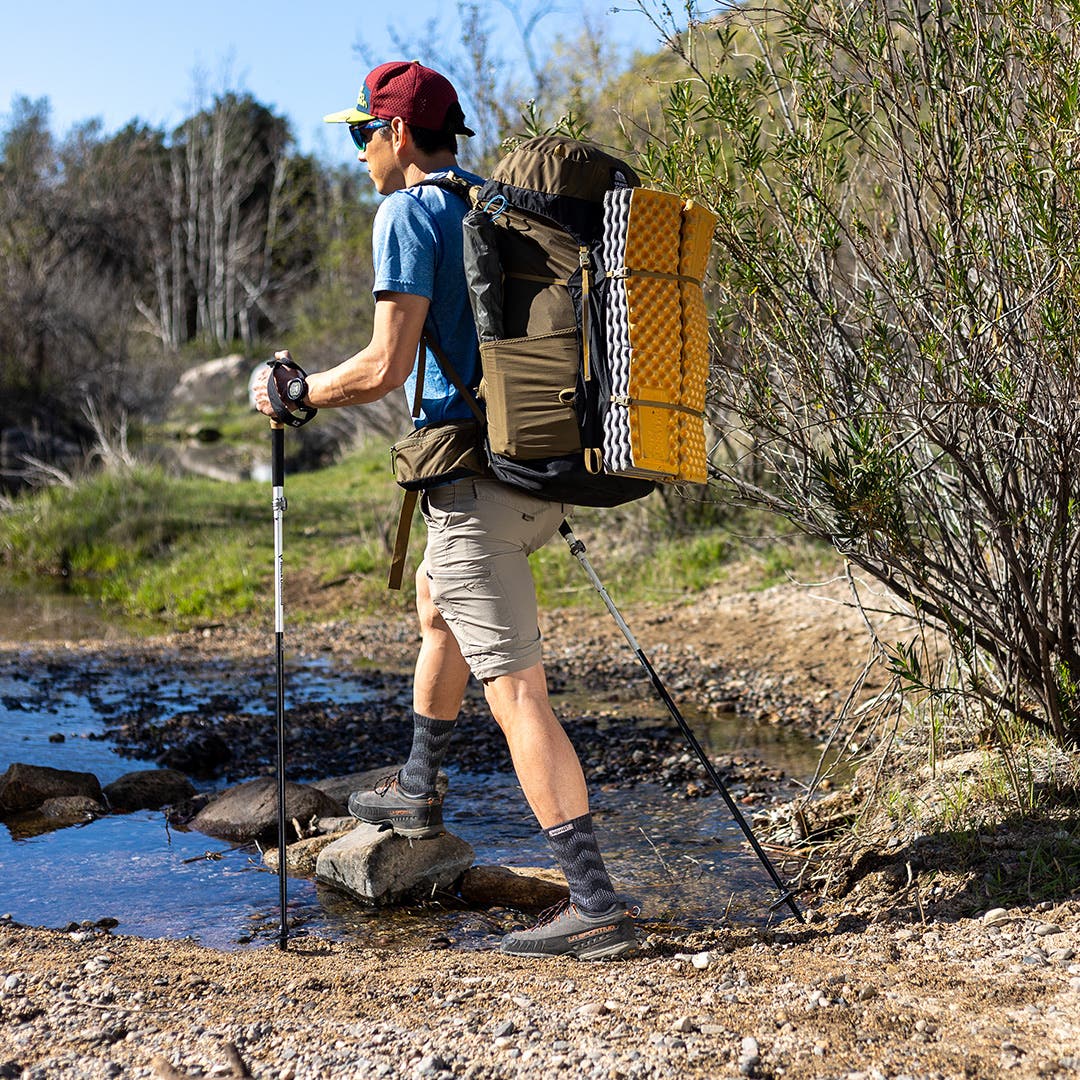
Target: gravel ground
x=840, y=997
x=871, y=987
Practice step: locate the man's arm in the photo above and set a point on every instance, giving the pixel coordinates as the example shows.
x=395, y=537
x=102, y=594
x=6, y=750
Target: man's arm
x=372, y=373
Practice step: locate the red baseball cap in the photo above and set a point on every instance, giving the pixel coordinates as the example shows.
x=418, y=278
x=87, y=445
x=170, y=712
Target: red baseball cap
x=419, y=95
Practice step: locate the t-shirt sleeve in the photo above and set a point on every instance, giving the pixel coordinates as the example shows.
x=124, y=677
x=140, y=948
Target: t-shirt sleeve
x=403, y=247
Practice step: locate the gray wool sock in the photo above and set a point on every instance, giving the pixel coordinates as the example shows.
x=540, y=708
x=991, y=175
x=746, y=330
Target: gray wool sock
x=429, y=743
x=575, y=848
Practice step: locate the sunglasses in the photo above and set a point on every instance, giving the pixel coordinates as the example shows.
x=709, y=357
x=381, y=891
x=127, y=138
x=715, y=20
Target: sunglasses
x=362, y=133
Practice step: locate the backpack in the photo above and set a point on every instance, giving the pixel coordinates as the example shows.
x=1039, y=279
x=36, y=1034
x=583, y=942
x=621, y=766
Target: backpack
x=593, y=335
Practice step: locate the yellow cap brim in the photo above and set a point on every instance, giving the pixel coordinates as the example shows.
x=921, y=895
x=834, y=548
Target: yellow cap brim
x=348, y=116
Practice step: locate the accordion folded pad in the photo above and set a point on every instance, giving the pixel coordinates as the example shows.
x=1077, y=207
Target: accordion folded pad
x=695, y=240
x=657, y=247
x=695, y=376
x=653, y=231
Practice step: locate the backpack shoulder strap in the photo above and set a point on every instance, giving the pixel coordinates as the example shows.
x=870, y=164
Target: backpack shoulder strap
x=451, y=181
x=451, y=373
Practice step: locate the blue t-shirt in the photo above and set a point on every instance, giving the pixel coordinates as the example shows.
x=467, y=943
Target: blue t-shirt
x=417, y=249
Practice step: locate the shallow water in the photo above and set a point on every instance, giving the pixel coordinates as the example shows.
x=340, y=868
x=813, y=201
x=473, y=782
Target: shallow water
x=684, y=861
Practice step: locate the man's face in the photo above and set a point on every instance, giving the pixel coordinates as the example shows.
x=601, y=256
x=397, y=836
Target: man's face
x=382, y=162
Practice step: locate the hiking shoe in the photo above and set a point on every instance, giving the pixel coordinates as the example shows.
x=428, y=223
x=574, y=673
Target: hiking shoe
x=418, y=816
x=566, y=930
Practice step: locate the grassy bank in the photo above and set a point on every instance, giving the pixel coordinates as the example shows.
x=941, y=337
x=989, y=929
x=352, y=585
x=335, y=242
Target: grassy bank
x=186, y=551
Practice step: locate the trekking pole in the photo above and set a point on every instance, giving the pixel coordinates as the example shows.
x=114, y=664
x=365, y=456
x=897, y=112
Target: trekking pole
x=577, y=549
x=277, y=471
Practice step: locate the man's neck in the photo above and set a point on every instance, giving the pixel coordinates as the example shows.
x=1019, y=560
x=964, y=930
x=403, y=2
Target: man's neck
x=421, y=166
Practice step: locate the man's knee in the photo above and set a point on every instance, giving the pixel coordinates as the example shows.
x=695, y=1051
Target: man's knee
x=518, y=695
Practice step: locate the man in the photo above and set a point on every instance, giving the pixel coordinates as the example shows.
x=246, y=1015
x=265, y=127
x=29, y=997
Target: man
x=474, y=591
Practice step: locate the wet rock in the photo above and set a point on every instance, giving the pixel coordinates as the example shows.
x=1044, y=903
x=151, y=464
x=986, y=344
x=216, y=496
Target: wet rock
x=181, y=814
x=302, y=856
x=148, y=789
x=380, y=867
x=521, y=888
x=200, y=754
x=26, y=787
x=71, y=808
x=249, y=811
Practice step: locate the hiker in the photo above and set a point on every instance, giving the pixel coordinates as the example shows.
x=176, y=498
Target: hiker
x=475, y=597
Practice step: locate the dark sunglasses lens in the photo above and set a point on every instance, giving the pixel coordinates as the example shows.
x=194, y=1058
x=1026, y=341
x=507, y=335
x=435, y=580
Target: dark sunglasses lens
x=362, y=133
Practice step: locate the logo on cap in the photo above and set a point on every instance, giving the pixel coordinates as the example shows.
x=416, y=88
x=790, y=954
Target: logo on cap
x=362, y=100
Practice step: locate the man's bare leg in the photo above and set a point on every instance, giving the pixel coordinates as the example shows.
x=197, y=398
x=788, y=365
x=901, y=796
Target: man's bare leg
x=441, y=671
x=544, y=759
x=550, y=775
x=409, y=800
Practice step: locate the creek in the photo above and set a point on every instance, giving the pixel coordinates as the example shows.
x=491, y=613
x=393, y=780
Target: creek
x=683, y=860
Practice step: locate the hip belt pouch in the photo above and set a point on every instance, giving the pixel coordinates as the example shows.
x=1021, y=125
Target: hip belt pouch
x=438, y=454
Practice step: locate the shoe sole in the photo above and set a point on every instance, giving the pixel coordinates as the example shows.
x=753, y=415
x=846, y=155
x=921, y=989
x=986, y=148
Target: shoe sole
x=607, y=952
x=601, y=950
x=413, y=832
x=425, y=832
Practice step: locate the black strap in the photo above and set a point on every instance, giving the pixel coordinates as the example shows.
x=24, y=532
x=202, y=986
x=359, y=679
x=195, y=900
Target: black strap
x=451, y=373
x=295, y=414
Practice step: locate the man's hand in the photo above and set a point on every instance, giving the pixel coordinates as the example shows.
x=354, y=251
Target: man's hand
x=282, y=397
x=259, y=391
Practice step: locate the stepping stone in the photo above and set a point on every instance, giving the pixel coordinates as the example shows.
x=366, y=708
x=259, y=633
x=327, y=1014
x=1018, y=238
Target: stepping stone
x=377, y=866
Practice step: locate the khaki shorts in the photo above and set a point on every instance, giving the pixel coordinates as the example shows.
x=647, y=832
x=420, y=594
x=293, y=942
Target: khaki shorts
x=480, y=534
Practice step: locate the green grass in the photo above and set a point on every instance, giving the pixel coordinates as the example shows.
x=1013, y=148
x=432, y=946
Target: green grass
x=190, y=551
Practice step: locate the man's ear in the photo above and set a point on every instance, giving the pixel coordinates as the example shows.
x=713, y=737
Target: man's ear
x=399, y=133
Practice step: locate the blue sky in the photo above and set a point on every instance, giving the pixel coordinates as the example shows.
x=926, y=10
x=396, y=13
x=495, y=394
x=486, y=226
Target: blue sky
x=126, y=59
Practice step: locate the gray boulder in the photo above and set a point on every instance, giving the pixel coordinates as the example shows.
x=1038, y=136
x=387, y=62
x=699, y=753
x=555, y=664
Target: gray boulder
x=213, y=382
x=380, y=867
x=148, y=789
x=301, y=856
x=249, y=811
x=26, y=787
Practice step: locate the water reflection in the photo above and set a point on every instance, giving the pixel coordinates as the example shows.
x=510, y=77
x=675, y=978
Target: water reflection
x=684, y=861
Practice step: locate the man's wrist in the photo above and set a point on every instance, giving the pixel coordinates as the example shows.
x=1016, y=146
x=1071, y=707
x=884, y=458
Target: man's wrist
x=296, y=390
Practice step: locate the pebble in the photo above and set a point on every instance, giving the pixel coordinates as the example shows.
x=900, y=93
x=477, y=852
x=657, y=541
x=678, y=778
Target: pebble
x=430, y=1065
x=506, y=1027
x=995, y=916
x=749, y=1055
x=1046, y=929
x=594, y=1008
